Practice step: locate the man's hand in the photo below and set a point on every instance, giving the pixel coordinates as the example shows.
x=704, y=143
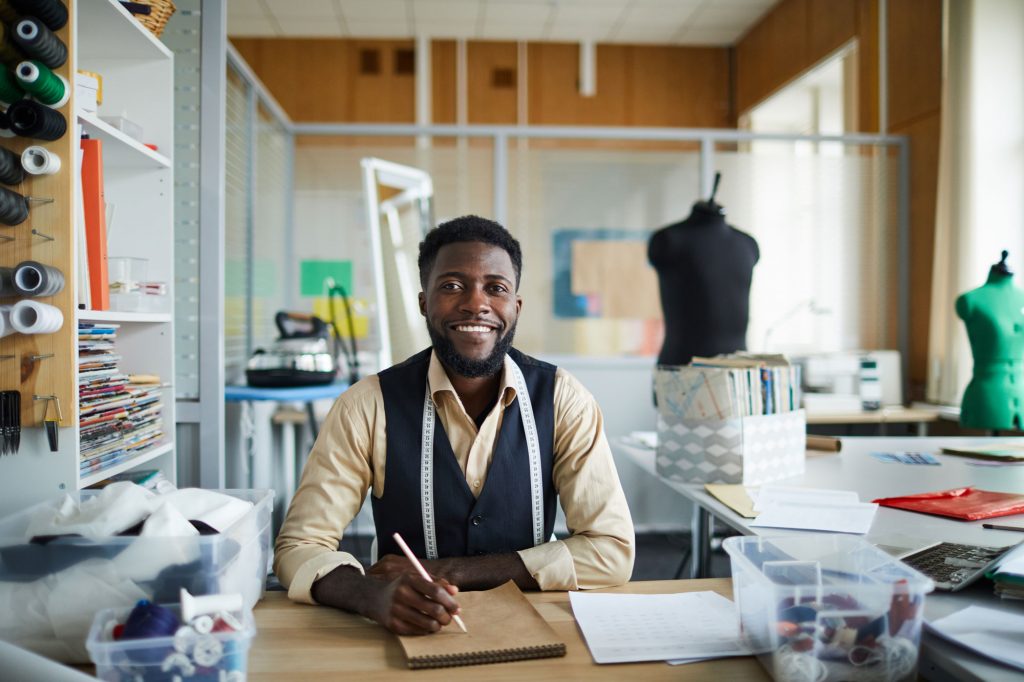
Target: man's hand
x=410, y=605
x=404, y=603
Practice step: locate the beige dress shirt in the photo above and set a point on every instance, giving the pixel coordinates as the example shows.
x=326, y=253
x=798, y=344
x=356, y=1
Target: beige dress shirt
x=348, y=460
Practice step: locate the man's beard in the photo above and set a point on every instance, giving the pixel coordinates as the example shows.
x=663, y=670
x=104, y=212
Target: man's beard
x=466, y=367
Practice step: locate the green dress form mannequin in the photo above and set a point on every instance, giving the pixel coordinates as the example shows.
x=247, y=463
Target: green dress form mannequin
x=994, y=316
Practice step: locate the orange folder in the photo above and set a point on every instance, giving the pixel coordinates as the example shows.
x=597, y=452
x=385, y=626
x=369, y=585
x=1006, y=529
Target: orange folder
x=94, y=206
x=967, y=504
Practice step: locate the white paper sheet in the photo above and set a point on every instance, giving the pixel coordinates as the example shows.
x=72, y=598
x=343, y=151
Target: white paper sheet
x=622, y=628
x=769, y=495
x=989, y=632
x=836, y=518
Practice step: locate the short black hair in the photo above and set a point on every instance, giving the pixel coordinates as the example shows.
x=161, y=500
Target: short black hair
x=468, y=228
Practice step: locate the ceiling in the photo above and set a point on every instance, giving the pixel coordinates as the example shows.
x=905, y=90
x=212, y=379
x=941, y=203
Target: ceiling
x=666, y=22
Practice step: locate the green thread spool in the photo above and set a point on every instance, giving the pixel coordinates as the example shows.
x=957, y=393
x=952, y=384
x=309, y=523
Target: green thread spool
x=10, y=91
x=43, y=84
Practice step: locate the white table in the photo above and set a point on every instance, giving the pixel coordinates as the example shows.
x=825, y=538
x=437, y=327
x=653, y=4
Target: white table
x=855, y=469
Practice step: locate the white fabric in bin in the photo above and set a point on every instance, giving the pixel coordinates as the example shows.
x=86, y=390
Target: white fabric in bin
x=49, y=608
x=122, y=505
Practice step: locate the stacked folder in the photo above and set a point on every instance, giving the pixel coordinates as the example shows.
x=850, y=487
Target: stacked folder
x=118, y=418
x=730, y=386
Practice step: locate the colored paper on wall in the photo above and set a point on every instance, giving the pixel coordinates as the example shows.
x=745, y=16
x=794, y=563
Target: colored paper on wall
x=313, y=273
x=360, y=321
x=599, y=289
x=616, y=273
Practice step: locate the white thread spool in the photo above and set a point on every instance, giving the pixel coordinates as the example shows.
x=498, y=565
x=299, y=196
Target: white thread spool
x=38, y=160
x=33, y=317
x=192, y=606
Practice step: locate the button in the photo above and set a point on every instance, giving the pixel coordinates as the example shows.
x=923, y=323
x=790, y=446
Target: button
x=477, y=520
x=476, y=484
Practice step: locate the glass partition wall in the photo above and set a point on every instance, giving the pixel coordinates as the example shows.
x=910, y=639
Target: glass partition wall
x=829, y=213
x=828, y=228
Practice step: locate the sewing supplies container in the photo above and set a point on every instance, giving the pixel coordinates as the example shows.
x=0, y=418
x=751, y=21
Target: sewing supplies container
x=158, y=642
x=824, y=608
x=233, y=561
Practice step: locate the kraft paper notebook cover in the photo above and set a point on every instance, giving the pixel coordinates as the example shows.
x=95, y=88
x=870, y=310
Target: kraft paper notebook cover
x=968, y=504
x=502, y=625
x=998, y=452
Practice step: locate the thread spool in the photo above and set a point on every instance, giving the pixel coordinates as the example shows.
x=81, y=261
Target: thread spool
x=43, y=84
x=192, y=606
x=13, y=207
x=150, y=620
x=35, y=279
x=38, y=160
x=53, y=13
x=33, y=317
x=32, y=119
x=10, y=90
x=5, y=321
x=11, y=172
x=39, y=42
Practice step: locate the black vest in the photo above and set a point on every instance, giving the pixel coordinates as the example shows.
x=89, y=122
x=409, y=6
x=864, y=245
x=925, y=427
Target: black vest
x=500, y=520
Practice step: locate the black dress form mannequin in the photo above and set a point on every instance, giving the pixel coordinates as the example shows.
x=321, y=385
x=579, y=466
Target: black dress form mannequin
x=704, y=270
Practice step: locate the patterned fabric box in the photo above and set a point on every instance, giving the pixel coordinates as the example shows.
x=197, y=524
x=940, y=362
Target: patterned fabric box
x=747, y=450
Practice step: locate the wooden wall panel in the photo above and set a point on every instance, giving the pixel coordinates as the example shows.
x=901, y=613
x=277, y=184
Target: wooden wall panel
x=442, y=81
x=772, y=53
x=642, y=85
x=680, y=87
x=554, y=97
x=488, y=102
x=924, y=163
x=915, y=60
x=790, y=39
x=867, y=67
x=317, y=80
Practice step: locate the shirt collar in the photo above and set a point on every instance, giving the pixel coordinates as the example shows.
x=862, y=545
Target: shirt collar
x=440, y=383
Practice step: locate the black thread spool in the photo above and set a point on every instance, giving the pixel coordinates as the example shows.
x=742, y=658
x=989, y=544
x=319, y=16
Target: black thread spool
x=53, y=13
x=31, y=278
x=11, y=170
x=13, y=207
x=32, y=119
x=39, y=42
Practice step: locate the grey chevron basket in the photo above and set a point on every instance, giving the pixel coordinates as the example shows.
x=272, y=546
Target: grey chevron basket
x=747, y=450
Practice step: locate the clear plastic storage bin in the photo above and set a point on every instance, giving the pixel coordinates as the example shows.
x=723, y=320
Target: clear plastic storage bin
x=215, y=657
x=52, y=589
x=820, y=607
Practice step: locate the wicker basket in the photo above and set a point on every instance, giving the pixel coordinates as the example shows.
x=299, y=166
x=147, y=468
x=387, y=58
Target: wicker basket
x=157, y=18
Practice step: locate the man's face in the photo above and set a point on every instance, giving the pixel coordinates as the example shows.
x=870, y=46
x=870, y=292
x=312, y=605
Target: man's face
x=471, y=307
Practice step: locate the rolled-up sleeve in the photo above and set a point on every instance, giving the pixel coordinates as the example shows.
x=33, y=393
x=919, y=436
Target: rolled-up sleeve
x=601, y=547
x=335, y=479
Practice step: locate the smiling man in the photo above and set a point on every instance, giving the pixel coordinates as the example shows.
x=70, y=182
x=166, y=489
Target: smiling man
x=466, y=447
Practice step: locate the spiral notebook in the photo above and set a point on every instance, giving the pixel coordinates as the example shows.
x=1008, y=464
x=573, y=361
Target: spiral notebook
x=502, y=624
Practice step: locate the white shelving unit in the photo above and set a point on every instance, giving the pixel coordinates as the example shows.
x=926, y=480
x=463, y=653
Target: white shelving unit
x=138, y=84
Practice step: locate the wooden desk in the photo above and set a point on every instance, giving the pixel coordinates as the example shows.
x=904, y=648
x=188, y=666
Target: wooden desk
x=886, y=415
x=309, y=643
